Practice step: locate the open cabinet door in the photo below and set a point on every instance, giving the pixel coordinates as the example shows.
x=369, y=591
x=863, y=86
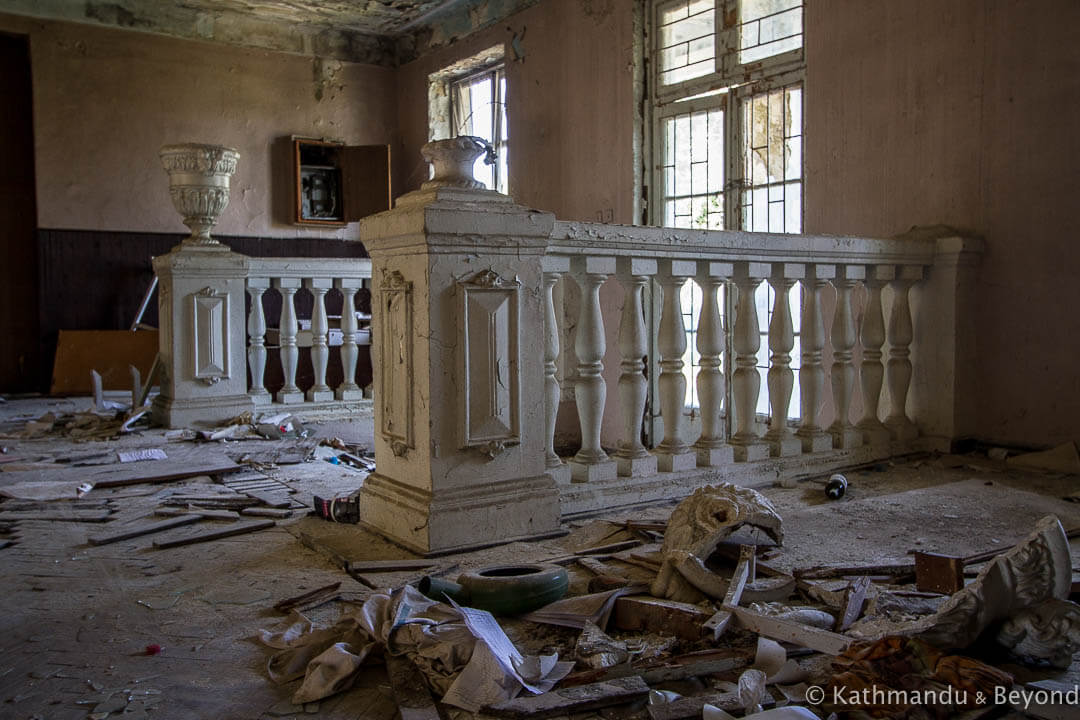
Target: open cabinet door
x=366, y=180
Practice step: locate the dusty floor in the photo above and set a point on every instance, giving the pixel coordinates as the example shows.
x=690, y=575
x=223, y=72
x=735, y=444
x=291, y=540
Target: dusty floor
x=79, y=618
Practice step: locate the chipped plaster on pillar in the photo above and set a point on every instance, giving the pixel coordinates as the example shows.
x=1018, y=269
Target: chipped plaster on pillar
x=446, y=480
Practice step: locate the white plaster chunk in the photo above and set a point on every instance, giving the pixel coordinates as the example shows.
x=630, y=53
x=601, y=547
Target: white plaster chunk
x=712, y=515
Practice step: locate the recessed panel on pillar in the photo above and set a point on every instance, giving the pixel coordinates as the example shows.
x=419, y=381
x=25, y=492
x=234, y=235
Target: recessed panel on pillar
x=210, y=331
x=490, y=353
x=396, y=355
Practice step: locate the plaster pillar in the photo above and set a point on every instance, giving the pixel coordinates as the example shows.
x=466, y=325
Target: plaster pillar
x=944, y=388
x=202, y=344
x=457, y=325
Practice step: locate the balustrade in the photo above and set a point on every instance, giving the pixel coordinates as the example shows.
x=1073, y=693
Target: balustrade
x=317, y=278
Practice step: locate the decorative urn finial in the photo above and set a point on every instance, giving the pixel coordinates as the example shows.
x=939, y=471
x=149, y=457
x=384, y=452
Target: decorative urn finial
x=199, y=186
x=453, y=161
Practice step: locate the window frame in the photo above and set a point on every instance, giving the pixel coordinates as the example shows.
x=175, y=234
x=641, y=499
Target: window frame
x=727, y=89
x=497, y=72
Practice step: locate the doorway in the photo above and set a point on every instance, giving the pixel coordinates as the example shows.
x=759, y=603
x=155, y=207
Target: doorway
x=20, y=363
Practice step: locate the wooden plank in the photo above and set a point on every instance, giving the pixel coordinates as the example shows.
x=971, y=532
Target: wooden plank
x=270, y=499
x=378, y=566
x=938, y=573
x=776, y=628
x=691, y=707
x=641, y=612
x=854, y=597
x=278, y=513
x=205, y=513
x=168, y=474
x=610, y=548
x=107, y=351
x=94, y=516
x=563, y=701
x=288, y=604
x=410, y=689
x=239, y=528
x=134, y=532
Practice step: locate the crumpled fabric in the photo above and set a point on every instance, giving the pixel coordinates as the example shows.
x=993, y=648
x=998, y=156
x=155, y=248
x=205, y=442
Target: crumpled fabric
x=433, y=635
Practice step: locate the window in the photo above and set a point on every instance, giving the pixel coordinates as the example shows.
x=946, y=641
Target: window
x=478, y=107
x=727, y=133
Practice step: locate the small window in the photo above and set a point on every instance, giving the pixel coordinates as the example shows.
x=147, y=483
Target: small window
x=687, y=40
x=478, y=107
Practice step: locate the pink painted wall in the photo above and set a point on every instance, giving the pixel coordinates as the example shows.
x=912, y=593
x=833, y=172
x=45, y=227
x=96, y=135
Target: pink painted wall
x=570, y=106
x=964, y=113
x=106, y=100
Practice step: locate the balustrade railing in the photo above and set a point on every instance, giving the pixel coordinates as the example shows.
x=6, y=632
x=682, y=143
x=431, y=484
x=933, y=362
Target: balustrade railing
x=588, y=254
x=317, y=278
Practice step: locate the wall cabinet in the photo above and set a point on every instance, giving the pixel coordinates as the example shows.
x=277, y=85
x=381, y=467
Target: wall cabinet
x=337, y=183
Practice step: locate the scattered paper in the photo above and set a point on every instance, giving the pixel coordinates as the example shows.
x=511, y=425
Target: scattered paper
x=772, y=660
x=497, y=671
x=577, y=612
x=144, y=454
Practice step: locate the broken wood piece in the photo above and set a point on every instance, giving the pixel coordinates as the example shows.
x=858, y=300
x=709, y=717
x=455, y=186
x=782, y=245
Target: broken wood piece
x=134, y=532
x=279, y=513
x=274, y=500
x=284, y=606
x=381, y=566
x=239, y=528
x=609, y=548
x=410, y=689
x=168, y=475
x=642, y=612
x=715, y=626
x=854, y=597
x=827, y=573
x=205, y=513
x=94, y=516
x=695, y=664
x=692, y=707
x=938, y=573
x=776, y=628
x=564, y=701
x=597, y=567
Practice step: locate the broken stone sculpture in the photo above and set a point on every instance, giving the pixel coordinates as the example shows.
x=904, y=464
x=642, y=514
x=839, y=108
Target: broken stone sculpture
x=199, y=187
x=1048, y=632
x=712, y=515
x=1037, y=570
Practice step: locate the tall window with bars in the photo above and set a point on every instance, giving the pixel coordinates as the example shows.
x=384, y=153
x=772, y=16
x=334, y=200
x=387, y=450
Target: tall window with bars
x=478, y=107
x=728, y=133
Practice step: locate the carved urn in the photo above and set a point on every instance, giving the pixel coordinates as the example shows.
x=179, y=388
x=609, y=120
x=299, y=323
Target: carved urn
x=199, y=187
x=453, y=161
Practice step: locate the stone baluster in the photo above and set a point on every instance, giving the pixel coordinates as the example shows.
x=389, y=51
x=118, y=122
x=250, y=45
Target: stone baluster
x=287, y=331
x=632, y=458
x=591, y=463
x=350, y=353
x=811, y=371
x=673, y=453
x=871, y=371
x=553, y=268
x=746, y=381
x=898, y=369
x=256, y=327
x=780, y=378
x=711, y=447
x=842, y=373
x=320, y=341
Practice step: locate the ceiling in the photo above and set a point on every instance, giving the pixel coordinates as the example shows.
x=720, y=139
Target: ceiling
x=381, y=32
x=371, y=17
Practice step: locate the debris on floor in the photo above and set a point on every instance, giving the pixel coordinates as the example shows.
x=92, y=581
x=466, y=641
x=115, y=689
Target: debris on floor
x=750, y=639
